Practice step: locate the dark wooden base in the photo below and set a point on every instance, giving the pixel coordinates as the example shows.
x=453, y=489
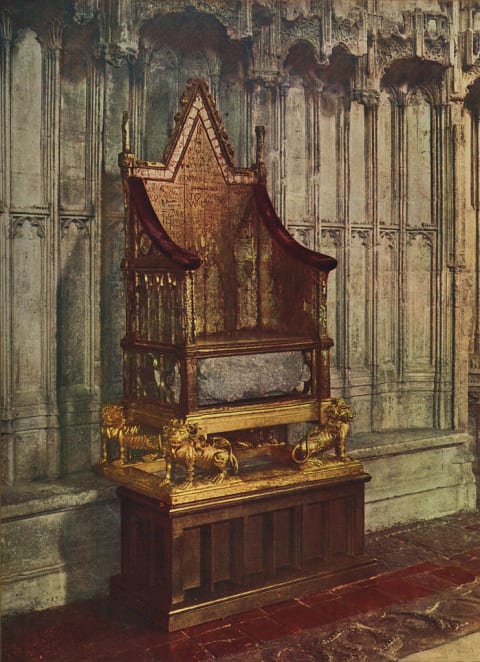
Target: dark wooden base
x=188, y=564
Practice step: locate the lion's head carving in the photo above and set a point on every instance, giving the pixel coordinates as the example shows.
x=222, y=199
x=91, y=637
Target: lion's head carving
x=337, y=412
x=178, y=433
x=113, y=416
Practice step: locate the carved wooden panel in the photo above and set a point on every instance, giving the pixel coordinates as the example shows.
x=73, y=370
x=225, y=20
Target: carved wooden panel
x=210, y=218
x=246, y=252
x=181, y=566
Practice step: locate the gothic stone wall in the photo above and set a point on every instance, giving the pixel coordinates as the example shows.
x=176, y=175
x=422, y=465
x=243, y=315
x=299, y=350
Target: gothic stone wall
x=371, y=112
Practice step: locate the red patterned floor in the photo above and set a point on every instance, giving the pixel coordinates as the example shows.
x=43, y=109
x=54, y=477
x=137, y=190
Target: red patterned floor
x=446, y=572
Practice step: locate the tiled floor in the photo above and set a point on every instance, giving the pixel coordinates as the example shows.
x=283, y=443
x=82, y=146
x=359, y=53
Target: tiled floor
x=427, y=593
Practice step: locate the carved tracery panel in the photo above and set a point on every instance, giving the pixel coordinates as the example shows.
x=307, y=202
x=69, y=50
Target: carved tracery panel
x=26, y=118
x=387, y=295
x=360, y=298
x=418, y=118
x=330, y=108
x=419, y=349
x=75, y=128
x=160, y=93
x=74, y=295
x=29, y=251
x=385, y=161
x=358, y=164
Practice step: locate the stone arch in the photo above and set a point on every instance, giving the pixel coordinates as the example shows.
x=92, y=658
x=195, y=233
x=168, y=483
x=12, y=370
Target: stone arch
x=301, y=59
x=472, y=98
x=223, y=16
x=191, y=44
x=193, y=34
x=337, y=74
x=415, y=94
x=408, y=73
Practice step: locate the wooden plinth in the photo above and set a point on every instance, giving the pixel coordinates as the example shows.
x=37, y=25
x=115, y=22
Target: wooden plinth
x=188, y=564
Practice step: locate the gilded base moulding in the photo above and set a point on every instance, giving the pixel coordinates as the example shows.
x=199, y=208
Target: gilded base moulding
x=184, y=464
x=258, y=471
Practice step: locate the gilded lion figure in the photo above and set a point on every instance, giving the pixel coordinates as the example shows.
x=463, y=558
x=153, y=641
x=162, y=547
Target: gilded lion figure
x=186, y=447
x=129, y=437
x=337, y=417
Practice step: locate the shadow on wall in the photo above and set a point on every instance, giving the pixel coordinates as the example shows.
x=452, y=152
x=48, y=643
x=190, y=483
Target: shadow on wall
x=474, y=430
x=80, y=331
x=89, y=546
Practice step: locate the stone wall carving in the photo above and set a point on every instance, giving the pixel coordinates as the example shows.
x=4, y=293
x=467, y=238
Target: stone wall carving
x=371, y=151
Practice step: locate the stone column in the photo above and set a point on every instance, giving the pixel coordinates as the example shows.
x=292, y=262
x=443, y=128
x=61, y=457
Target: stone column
x=282, y=138
x=445, y=315
x=138, y=120
x=275, y=143
x=82, y=412
x=370, y=99
x=311, y=152
x=474, y=174
x=315, y=167
x=265, y=107
x=400, y=174
x=462, y=286
x=119, y=44
x=52, y=38
x=6, y=414
x=79, y=265
x=250, y=86
x=343, y=219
